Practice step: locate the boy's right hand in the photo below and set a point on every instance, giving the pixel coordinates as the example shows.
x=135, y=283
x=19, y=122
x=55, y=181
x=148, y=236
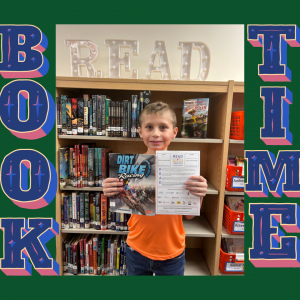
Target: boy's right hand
x=112, y=186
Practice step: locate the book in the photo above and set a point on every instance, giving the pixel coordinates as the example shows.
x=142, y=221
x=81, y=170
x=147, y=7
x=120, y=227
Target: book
x=91, y=128
x=103, y=117
x=63, y=102
x=133, y=115
x=99, y=115
x=86, y=210
x=103, y=212
x=74, y=115
x=58, y=110
x=91, y=156
x=194, y=118
x=235, y=203
x=129, y=119
x=85, y=114
x=63, y=166
x=69, y=115
x=107, y=105
x=94, y=100
x=235, y=246
x=80, y=116
x=125, y=114
x=147, y=98
x=137, y=172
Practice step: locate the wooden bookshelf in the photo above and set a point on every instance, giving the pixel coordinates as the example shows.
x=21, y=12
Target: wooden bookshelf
x=203, y=233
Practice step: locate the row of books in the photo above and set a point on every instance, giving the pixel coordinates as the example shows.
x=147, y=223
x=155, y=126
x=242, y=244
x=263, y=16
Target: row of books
x=83, y=165
x=234, y=246
x=90, y=210
x=100, y=116
x=95, y=254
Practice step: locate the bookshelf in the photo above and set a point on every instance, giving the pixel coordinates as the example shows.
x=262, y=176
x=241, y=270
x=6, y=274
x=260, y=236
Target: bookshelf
x=203, y=233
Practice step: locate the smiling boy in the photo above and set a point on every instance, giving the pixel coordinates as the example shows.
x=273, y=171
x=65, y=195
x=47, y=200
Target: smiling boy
x=157, y=243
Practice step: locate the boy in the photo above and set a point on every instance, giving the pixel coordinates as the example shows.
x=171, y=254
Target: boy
x=156, y=244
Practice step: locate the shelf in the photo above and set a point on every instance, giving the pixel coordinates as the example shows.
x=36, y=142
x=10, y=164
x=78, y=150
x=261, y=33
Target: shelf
x=87, y=189
x=197, y=227
x=231, y=141
x=225, y=234
x=195, y=263
x=211, y=190
x=93, y=231
x=233, y=274
x=106, y=138
x=141, y=84
x=234, y=193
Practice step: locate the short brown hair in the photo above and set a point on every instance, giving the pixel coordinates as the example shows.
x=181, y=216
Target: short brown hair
x=158, y=107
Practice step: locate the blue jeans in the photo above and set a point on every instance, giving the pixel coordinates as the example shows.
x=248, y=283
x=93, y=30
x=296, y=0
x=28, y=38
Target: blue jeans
x=137, y=264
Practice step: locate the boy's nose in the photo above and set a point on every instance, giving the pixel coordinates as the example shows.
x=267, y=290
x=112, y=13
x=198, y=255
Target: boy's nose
x=155, y=132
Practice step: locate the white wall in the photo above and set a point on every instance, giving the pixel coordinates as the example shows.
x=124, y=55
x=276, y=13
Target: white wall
x=226, y=43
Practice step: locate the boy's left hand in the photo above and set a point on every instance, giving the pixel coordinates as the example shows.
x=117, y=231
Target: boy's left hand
x=197, y=188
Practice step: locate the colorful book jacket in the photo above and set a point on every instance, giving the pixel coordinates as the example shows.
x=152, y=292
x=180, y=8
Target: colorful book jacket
x=137, y=172
x=194, y=118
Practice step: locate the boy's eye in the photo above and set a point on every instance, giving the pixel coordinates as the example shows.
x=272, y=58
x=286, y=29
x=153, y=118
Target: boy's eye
x=148, y=126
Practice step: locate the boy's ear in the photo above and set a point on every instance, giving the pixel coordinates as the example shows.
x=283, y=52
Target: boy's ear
x=175, y=131
x=140, y=132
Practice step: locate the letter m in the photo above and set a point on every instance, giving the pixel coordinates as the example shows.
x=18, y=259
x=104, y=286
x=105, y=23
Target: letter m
x=24, y=240
x=265, y=173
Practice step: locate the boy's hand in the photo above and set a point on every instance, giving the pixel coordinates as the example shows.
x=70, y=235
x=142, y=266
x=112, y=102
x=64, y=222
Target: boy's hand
x=197, y=188
x=112, y=186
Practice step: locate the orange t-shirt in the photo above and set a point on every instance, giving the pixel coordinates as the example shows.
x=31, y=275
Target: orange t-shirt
x=159, y=237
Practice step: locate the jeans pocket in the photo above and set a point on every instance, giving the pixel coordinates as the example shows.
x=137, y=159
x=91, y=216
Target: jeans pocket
x=131, y=249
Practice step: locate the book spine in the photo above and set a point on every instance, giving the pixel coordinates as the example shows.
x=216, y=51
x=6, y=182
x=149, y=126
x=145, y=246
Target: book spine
x=147, y=98
x=86, y=210
x=121, y=257
x=115, y=257
x=108, y=218
x=108, y=256
x=81, y=166
x=86, y=256
x=141, y=101
x=80, y=117
x=57, y=116
x=74, y=259
x=62, y=209
x=118, y=119
x=99, y=115
x=112, y=251
x=91, y=128
x=133, y=115
x=99, y=242
x=103, y=212
x=95, y=255
x=94, y=99
x=78, y=211
x=103, y=256
x=74, y=116
x=103, y=163
x=125, y=222
x=61, y=166
x=70, y=182
x=66, y=220
x=107, y=117
x=81, y=210
x=129, y=119
x=125, y=107
x=121, y=119
x=94, y=210
x=113, y=220
x=71, y=259
x=98, y=203
x=91, y=210
x=81, y=256
x=138, y=109
x=91, y=155
x=70, y=215
x=100, y=166
x=91, y=258
x=74, y=209
x=125, y=262
x=117, y=221
x=96, y=168
x=85, y=114
x=103, y=114
x=74, y=168
x=64, y=257
x=63, y=102
x=86, y=165
x=69, y=116
x=121, y=221
x=113, y=119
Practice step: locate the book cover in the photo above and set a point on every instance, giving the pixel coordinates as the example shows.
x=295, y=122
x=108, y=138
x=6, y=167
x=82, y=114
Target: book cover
x=94, y=97
x=99, y=114
x=103, y=111
x=95, y=254
x=103, y=212
x=137, y=172
x=71, y=171
x=74, y=209
x=58, y=108
x=91, y=256
x=82, y=206
x=100, y=166
x=66, y=219
x=194, y=118
x=86, y=210
x=78, y=211
x=125, y=113
x=98, y=213
x=107, y=116
x=138, y=110
x=85, y=114
x=113, y=220
x=91, y=128
x=91, y=157
x=110, y=118
x=80, y=116
x=96, y=168
x=147, y=98
x=121, y=119
x=129, y=119
x=91, y=210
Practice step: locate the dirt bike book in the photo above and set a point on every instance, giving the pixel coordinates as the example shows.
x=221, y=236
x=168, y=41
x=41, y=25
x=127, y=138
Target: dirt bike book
x=137, y=172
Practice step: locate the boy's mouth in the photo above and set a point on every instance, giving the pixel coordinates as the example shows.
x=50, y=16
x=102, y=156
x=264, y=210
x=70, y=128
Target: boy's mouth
x=155, y=142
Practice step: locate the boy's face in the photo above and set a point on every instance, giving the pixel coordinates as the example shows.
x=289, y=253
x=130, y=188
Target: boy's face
x=157, y=131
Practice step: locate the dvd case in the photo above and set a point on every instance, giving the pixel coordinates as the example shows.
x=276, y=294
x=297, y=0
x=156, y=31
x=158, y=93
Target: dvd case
x=194, y=118
x=137, y=172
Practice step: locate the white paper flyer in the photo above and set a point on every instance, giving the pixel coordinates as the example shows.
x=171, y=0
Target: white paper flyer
x=173, y=169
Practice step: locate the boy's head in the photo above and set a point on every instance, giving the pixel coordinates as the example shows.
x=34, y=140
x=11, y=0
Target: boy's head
x=157, y=126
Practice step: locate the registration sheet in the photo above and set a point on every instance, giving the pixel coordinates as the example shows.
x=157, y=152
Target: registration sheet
x=173, y=169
